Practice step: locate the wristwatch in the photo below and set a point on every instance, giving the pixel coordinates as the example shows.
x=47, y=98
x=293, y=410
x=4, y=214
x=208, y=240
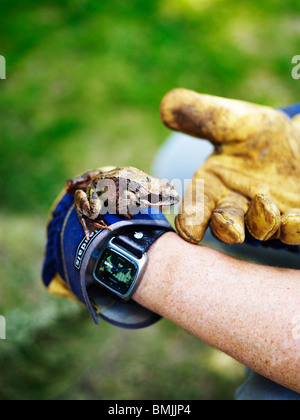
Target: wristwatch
x=121, y=264
x=113, y=267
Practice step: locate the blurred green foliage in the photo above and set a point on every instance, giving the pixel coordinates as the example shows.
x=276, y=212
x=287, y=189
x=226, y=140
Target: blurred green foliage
x=84, y=82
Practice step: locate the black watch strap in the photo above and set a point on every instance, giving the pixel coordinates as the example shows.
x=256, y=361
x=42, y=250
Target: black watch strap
x=138, y=239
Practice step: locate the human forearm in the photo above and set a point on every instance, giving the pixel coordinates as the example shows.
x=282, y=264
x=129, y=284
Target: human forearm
x=246, y=310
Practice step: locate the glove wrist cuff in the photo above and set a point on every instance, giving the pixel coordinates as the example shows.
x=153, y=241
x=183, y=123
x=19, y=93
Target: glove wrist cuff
x=68, y=260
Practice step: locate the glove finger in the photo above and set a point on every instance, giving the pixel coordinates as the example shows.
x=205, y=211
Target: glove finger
x=263, y=218
x=199, y=202
x=228, y=219
x=217, y=119
x=296, y=119
x=290, y=227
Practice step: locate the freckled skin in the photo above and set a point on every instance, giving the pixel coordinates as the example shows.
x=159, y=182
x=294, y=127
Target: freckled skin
x=243, y=309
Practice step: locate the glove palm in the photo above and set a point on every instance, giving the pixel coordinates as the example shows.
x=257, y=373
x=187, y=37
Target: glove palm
x=253, y=175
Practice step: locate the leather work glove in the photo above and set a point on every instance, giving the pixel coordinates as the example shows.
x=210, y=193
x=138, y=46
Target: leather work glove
x=253, y=176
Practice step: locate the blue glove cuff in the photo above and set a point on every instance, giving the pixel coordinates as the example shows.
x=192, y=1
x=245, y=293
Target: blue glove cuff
x=68, y=254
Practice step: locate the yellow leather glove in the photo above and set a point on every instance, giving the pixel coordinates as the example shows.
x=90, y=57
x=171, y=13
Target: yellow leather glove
x=253, y=176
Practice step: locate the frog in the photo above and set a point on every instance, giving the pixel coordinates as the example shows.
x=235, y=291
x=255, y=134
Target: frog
x=117, y=190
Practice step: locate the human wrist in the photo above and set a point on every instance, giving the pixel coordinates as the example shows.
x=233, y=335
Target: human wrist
x=156, y=277
x=166, y=285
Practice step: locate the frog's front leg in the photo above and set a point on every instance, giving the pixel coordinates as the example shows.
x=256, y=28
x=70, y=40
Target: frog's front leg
x=89, y=205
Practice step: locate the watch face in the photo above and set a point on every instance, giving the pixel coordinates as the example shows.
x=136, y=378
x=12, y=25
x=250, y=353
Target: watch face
x=115, y=271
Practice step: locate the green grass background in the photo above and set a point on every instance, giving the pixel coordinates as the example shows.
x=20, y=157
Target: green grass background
x=84, y=82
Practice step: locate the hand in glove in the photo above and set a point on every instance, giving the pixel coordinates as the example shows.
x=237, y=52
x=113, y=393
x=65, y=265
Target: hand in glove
x=253, y=176
x=71, y=257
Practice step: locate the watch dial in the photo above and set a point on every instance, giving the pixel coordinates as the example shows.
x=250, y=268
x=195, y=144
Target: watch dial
x=116, y=271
